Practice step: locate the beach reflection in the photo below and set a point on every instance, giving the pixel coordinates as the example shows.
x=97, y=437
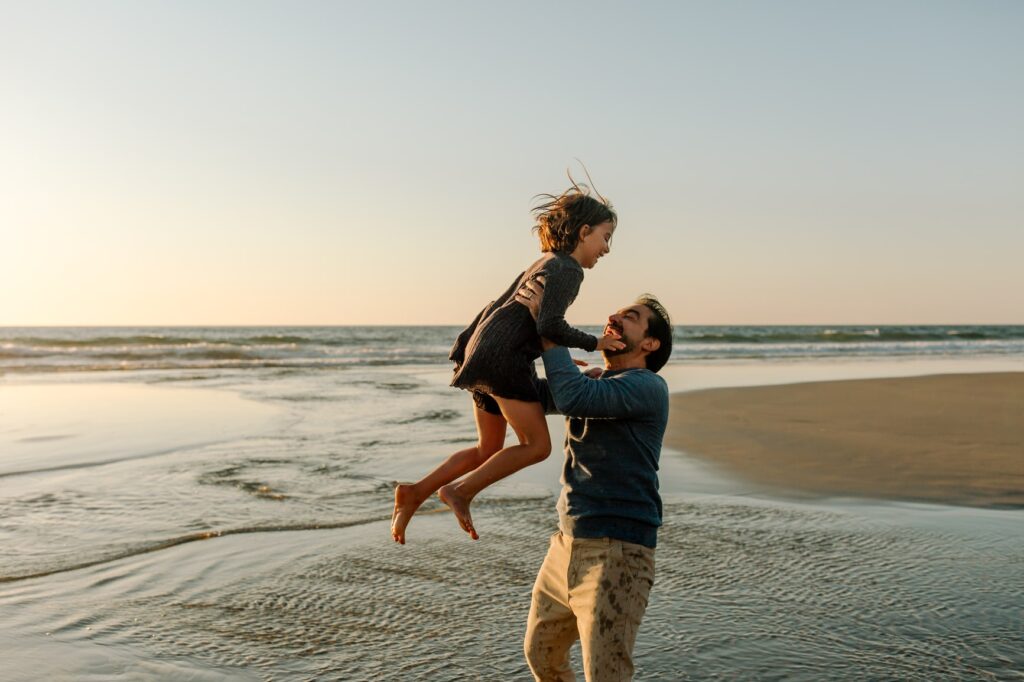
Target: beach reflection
x=51, y=426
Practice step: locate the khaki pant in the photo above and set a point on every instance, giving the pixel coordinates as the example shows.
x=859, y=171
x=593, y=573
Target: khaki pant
x=594, y=590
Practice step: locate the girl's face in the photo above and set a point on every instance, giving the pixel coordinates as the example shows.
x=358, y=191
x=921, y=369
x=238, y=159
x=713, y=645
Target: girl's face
x=594, y=243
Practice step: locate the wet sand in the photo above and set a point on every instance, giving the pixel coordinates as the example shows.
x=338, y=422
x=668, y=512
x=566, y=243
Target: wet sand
x=953, y=439
x=263, y=552
x=744, y=590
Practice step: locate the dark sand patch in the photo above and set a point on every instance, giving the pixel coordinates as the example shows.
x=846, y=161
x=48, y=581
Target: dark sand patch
x=956, y=439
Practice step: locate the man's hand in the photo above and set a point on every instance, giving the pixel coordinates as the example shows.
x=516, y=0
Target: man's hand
x=593, y=372
x=530, y=295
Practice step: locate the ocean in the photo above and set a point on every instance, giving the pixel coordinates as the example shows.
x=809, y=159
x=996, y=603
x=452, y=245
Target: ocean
x=212, y=503
x=65, y=349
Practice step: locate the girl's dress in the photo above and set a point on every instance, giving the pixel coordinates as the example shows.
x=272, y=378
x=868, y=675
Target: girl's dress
x=495, y=354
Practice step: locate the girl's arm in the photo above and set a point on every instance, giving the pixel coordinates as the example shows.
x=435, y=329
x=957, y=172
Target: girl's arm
x=560, y=288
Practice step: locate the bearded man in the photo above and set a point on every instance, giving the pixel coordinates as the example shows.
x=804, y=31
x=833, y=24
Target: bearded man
x=596, y=578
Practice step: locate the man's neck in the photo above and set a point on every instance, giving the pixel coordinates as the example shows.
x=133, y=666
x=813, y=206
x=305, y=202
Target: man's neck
x=619, y=362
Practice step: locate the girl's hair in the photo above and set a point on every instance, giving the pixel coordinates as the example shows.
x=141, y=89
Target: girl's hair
x=559, y=218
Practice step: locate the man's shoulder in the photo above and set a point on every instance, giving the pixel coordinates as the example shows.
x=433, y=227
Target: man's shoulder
x=643, y=380
x=640, y=375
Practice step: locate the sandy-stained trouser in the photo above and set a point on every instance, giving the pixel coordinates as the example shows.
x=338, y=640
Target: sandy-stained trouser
x=594, y=590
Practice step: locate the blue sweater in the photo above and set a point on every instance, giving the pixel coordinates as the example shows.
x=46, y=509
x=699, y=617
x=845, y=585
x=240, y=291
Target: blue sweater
x=614, y=429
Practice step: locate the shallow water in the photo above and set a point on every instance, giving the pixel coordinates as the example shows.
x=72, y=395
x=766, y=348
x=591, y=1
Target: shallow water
x=261, y=550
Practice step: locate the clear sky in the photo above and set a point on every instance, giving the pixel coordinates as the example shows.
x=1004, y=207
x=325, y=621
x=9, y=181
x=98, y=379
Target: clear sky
x=374, y=162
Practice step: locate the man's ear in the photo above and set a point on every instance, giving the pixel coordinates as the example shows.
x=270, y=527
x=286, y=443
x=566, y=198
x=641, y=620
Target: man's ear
x=650, y=344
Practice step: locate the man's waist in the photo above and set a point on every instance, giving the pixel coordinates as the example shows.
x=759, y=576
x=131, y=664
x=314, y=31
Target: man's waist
x=615, y=527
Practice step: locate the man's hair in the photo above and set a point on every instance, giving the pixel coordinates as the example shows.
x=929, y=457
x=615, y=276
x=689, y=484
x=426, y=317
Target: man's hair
x=559, y=218
x=659, y=326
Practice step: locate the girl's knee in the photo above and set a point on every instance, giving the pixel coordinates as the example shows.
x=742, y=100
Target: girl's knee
x=488, y=446
x=540, y=450
x=485, y=449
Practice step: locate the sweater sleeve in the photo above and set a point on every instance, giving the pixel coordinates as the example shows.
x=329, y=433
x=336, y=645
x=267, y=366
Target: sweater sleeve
x=632, y=394
x=560, y=288
x=547, y=401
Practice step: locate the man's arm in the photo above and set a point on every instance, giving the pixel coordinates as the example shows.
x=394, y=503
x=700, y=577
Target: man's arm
x=628, y=395
x=547, y=401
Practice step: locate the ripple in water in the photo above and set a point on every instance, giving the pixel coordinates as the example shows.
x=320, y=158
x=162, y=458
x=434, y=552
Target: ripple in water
x=742, y=592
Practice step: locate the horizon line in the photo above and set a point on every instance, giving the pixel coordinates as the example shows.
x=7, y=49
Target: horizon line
x=446, y=324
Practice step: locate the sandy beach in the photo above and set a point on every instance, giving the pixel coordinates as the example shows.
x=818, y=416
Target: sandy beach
x=953, y=439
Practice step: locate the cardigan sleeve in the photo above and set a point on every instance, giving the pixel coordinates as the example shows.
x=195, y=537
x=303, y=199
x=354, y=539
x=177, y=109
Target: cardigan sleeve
x=561, y=285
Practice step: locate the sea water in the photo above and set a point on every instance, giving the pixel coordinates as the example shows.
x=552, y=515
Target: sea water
x=61, y=349
x=214, y=504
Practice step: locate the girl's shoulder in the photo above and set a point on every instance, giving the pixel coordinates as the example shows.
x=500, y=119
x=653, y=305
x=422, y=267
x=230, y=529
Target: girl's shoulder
x=556, y=261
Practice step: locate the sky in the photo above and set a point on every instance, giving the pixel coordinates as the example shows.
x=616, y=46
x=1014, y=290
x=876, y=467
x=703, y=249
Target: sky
x=251, y=163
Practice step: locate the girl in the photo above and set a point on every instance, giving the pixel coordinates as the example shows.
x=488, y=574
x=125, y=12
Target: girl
x=494, y=357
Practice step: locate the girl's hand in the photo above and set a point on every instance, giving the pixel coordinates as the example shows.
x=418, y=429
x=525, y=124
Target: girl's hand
x=610, y=341
x=593, y=372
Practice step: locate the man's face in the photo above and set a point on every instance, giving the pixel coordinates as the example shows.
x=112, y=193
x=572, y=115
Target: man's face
x=631, y=324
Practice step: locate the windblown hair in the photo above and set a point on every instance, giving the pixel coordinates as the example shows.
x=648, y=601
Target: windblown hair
x=559, y=218
x=659, y=326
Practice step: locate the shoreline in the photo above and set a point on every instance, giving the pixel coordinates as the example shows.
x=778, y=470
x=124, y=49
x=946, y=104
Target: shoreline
x=955, y=439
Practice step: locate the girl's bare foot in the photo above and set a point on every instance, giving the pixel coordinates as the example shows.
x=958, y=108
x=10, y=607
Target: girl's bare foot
x=460, y=507
x=406, y=504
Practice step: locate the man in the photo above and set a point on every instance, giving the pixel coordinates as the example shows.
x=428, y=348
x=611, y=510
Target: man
x=599, y=569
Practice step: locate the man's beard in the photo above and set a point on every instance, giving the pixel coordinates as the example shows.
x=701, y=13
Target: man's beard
x=628, y=348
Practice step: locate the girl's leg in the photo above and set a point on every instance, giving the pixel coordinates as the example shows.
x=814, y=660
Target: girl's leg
x=527, y=419
x=490, y=430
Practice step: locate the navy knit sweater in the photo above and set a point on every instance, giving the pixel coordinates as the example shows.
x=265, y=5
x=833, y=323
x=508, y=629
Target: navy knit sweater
x=614, y=430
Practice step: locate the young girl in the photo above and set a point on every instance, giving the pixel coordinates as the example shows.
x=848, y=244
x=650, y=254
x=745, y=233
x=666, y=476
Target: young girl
x=494, y=358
